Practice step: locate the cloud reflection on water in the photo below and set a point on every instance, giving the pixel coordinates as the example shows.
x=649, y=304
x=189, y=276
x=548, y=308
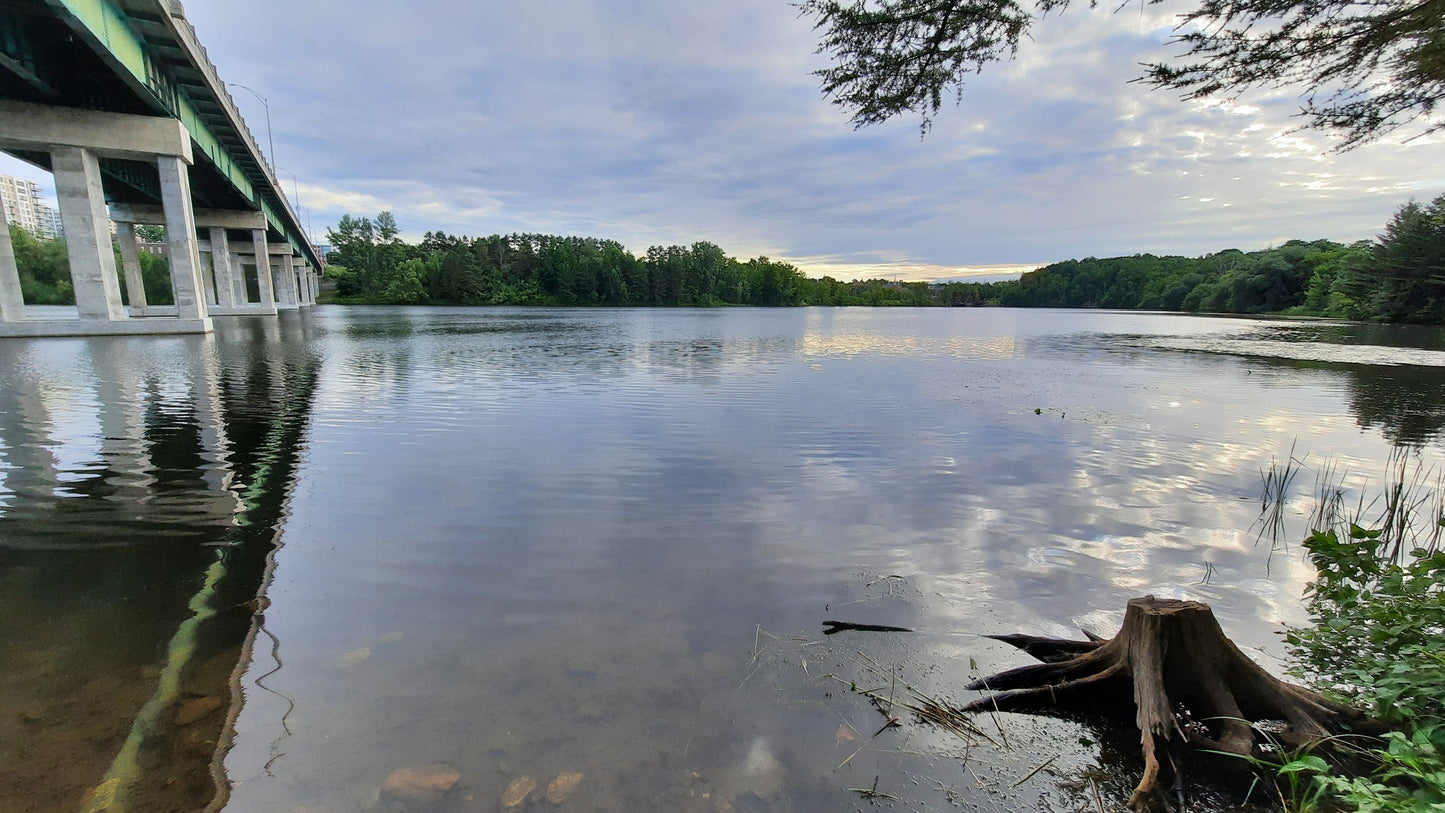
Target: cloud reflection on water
x=530, y=494
x=1156, y=446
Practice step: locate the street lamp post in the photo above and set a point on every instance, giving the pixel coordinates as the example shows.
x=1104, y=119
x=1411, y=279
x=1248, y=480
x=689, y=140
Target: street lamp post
x=295, y=187
x=269, y=142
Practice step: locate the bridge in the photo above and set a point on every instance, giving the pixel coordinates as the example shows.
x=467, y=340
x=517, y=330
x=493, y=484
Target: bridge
x=119, y=101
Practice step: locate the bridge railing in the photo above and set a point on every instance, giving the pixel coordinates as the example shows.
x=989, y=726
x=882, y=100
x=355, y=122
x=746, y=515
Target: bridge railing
x=185, y=35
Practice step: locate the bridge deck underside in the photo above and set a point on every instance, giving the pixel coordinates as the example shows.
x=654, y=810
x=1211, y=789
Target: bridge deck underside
x=46, y=59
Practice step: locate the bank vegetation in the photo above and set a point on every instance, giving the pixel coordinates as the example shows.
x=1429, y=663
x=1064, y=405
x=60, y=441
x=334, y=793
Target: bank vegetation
x=1399, y=277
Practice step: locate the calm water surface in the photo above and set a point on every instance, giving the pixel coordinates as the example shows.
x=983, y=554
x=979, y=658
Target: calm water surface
x=523, y=542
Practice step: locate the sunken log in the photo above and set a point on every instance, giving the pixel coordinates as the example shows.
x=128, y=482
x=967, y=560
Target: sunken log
x=1190, y=687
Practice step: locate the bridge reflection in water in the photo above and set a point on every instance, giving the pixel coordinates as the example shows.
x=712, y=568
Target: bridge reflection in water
x=143, y=485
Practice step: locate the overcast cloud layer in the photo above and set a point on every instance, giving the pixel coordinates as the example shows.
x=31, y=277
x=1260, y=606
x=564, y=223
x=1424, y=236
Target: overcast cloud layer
x=670, y=121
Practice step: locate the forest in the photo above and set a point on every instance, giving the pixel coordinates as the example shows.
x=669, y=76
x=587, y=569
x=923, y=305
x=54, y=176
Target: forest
x=370, y=264
x=1398, y=277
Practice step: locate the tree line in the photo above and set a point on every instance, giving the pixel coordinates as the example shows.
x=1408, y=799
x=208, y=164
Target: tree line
x=1399, y=277
x=371, y=264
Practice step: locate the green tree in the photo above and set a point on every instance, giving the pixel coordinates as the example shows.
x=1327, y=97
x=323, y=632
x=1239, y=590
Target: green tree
x=1363, y=69
x=353, y=245
x=44, y=268
x=155, y=274
x=150, y=233
x=773, y=283
x=371, y=250
x=704, y=267
x=386, y=230
x=457, y=278
x=1408, y=265
x=405, y=283
x=557, y=271
x=1352, y=286
x=614, y=271
x=665, y=266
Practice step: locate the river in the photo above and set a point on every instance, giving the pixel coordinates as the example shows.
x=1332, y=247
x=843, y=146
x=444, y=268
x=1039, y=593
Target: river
x=265, y=569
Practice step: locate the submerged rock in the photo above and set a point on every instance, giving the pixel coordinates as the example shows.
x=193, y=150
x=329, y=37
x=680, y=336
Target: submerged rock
x=416, y=789
x=518, y=791
x=591, y=710
x=715, y=662
x=760, y=773
x=100, y=797
x=561, y=787
x=706, y=802
x=195, y=710
x=353, y=657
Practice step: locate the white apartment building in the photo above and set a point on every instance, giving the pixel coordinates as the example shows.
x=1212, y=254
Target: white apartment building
x=25, y=207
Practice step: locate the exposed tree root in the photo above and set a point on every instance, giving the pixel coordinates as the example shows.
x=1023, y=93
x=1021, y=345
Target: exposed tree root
x=1169, y=658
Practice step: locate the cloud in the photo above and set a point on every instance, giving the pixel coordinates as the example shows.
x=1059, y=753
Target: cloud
x=655, y=122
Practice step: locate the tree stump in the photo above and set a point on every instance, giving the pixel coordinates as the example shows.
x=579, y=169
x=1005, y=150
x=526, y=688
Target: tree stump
x=1174, y=662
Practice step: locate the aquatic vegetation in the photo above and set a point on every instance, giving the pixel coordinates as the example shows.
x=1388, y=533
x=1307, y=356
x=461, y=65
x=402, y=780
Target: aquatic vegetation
x=1378, y=607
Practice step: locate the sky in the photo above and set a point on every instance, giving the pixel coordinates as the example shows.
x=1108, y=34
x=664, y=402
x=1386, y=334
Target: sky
x=660, y=122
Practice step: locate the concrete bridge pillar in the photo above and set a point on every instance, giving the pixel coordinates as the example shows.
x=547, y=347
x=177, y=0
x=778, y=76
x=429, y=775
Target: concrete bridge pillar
x=303, y=272
x=242, y=256
x=185, y=258
x=294, y=283
x=208, y=278
x=240, y=295
x=222, y=260
x=75, y=139
x=263, y=270
x=87, y=234
x=243, y=291
x=12, y=301
x=135, y=292
x=285, y=282
x=221, y=269
x=306, y=296
x=278, y=282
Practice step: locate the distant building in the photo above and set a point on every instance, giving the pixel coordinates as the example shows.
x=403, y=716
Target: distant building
x=50, y=222
x=26, y=208
x=158, y=248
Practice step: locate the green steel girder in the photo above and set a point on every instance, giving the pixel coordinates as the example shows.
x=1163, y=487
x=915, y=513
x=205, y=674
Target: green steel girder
x=128, y=181
x=149, y=66
x=18, y=52
x=109, y=26
x=134, y=175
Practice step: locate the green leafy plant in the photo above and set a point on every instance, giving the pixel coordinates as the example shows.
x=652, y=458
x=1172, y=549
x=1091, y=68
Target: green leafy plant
x=1379, y=617
x=1379, y=624
x=1299, y=775
x=1301, y=783
x=1411, y=776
